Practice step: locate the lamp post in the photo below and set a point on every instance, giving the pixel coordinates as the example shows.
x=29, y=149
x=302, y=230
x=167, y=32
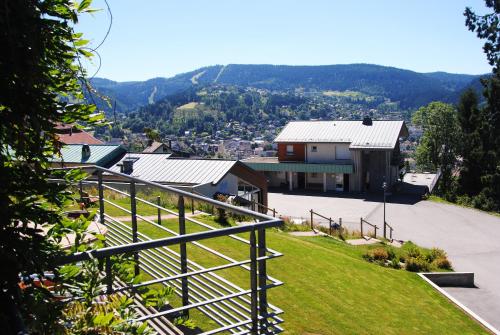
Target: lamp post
x=384, y=187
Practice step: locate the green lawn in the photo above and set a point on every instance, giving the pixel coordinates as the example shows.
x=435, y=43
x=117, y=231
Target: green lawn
x=330, y=289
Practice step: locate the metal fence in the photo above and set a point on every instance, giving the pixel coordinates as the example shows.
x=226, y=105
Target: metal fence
x=236, y=306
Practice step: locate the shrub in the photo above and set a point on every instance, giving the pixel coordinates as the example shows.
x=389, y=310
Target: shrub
x=377, y=254
x=442, y=263
x=417, y=264
x=221, y=215
x=434, y=254
x=380, y=254
x=413, y=252
x=395, y=263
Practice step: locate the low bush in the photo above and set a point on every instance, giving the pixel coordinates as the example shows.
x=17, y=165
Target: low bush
x=417, y=264
x=434, y=254
x=377, y=254
x=442, y=263
x=394, y=263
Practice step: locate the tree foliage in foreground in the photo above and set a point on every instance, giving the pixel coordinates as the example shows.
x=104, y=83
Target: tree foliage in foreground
x=39, y=75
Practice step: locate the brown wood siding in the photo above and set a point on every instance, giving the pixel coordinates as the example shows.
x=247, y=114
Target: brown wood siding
x=299, y=152
x=253, y=177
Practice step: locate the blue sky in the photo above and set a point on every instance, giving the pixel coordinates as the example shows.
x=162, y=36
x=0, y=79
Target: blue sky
x=161, y=38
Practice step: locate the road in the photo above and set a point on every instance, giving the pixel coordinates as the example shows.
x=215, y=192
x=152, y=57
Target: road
x=470, y=237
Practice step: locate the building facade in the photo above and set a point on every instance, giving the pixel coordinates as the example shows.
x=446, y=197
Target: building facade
x=342, y=156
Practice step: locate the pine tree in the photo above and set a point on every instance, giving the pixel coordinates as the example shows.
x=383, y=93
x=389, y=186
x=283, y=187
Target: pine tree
x=487, y=27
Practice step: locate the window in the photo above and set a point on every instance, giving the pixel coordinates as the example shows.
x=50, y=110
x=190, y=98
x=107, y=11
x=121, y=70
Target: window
x=314, y=148
x=289, y=149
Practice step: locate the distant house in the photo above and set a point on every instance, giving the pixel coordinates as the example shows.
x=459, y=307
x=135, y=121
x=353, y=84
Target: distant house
x=203, y=176
x=88, y=154
x=155, y=147
x=346, y=156
x=70, y=134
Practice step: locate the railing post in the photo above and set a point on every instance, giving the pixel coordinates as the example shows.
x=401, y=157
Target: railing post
x=274, y=212
x=109, y=276
x=376, y=231
x=80, y=188
x=133, y=210
x=312, y=225
x=340, y=227
x=253, y=285
x=390, y=232
x=330, y=221
x=262, y=281
x=101, y=197
x=183, y=254
x=158, y=202
x=192, y=203
x=361, y=224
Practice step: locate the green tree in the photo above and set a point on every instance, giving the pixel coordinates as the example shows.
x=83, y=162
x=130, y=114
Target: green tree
x=473, y=130
x=439, y=143
x=39, y=74
x=487, y=27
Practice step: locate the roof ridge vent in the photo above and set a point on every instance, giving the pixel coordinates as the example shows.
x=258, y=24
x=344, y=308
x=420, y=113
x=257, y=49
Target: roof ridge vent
x=367, y=121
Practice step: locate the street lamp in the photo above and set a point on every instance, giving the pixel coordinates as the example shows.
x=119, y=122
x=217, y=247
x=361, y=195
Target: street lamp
x=384, y=187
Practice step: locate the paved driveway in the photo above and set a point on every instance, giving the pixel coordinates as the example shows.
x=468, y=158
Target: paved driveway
x=335, y=205
x=471, y=238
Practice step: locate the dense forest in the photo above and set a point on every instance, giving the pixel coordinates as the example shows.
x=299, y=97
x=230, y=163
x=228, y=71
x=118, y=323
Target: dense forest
x=410, y=89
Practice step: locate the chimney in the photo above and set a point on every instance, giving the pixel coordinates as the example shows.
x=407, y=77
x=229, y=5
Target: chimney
x=128, y=166
x=367, y=121
x=85, y=151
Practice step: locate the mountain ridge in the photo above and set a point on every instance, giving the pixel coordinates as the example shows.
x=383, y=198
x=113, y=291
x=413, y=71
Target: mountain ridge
x=410, y=88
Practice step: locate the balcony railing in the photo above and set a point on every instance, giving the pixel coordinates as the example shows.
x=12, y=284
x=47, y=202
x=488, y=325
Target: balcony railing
x=237, y=306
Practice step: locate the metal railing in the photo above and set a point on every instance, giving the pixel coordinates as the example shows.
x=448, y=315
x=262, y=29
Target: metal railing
x=262, y=207
x=390, y=230
x=332, y=225
x=235, y=309
x=363, y=221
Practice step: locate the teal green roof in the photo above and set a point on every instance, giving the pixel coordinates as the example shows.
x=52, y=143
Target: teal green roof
x=301, y=167
x=100, y=154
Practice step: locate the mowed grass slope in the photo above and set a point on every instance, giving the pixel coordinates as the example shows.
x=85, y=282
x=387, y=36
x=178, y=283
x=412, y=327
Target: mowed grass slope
x=330, y=289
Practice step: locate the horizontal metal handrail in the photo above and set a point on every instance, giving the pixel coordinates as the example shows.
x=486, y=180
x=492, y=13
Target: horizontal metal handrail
x=163, y=242
x=224, y=302
x=168, y=211
x=177, y=191
x=370, y=224
x=321, y=216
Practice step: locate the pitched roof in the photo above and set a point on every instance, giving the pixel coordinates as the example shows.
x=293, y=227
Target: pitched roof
x=100, y=154
x=78, y=137
x=379, y=135
x=162, y=169
x=153, y=147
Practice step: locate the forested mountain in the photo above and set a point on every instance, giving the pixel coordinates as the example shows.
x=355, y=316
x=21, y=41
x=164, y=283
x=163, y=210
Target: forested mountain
x=410, y=89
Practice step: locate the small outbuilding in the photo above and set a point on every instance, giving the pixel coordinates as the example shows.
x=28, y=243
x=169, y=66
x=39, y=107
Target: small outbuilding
x=206, y=177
